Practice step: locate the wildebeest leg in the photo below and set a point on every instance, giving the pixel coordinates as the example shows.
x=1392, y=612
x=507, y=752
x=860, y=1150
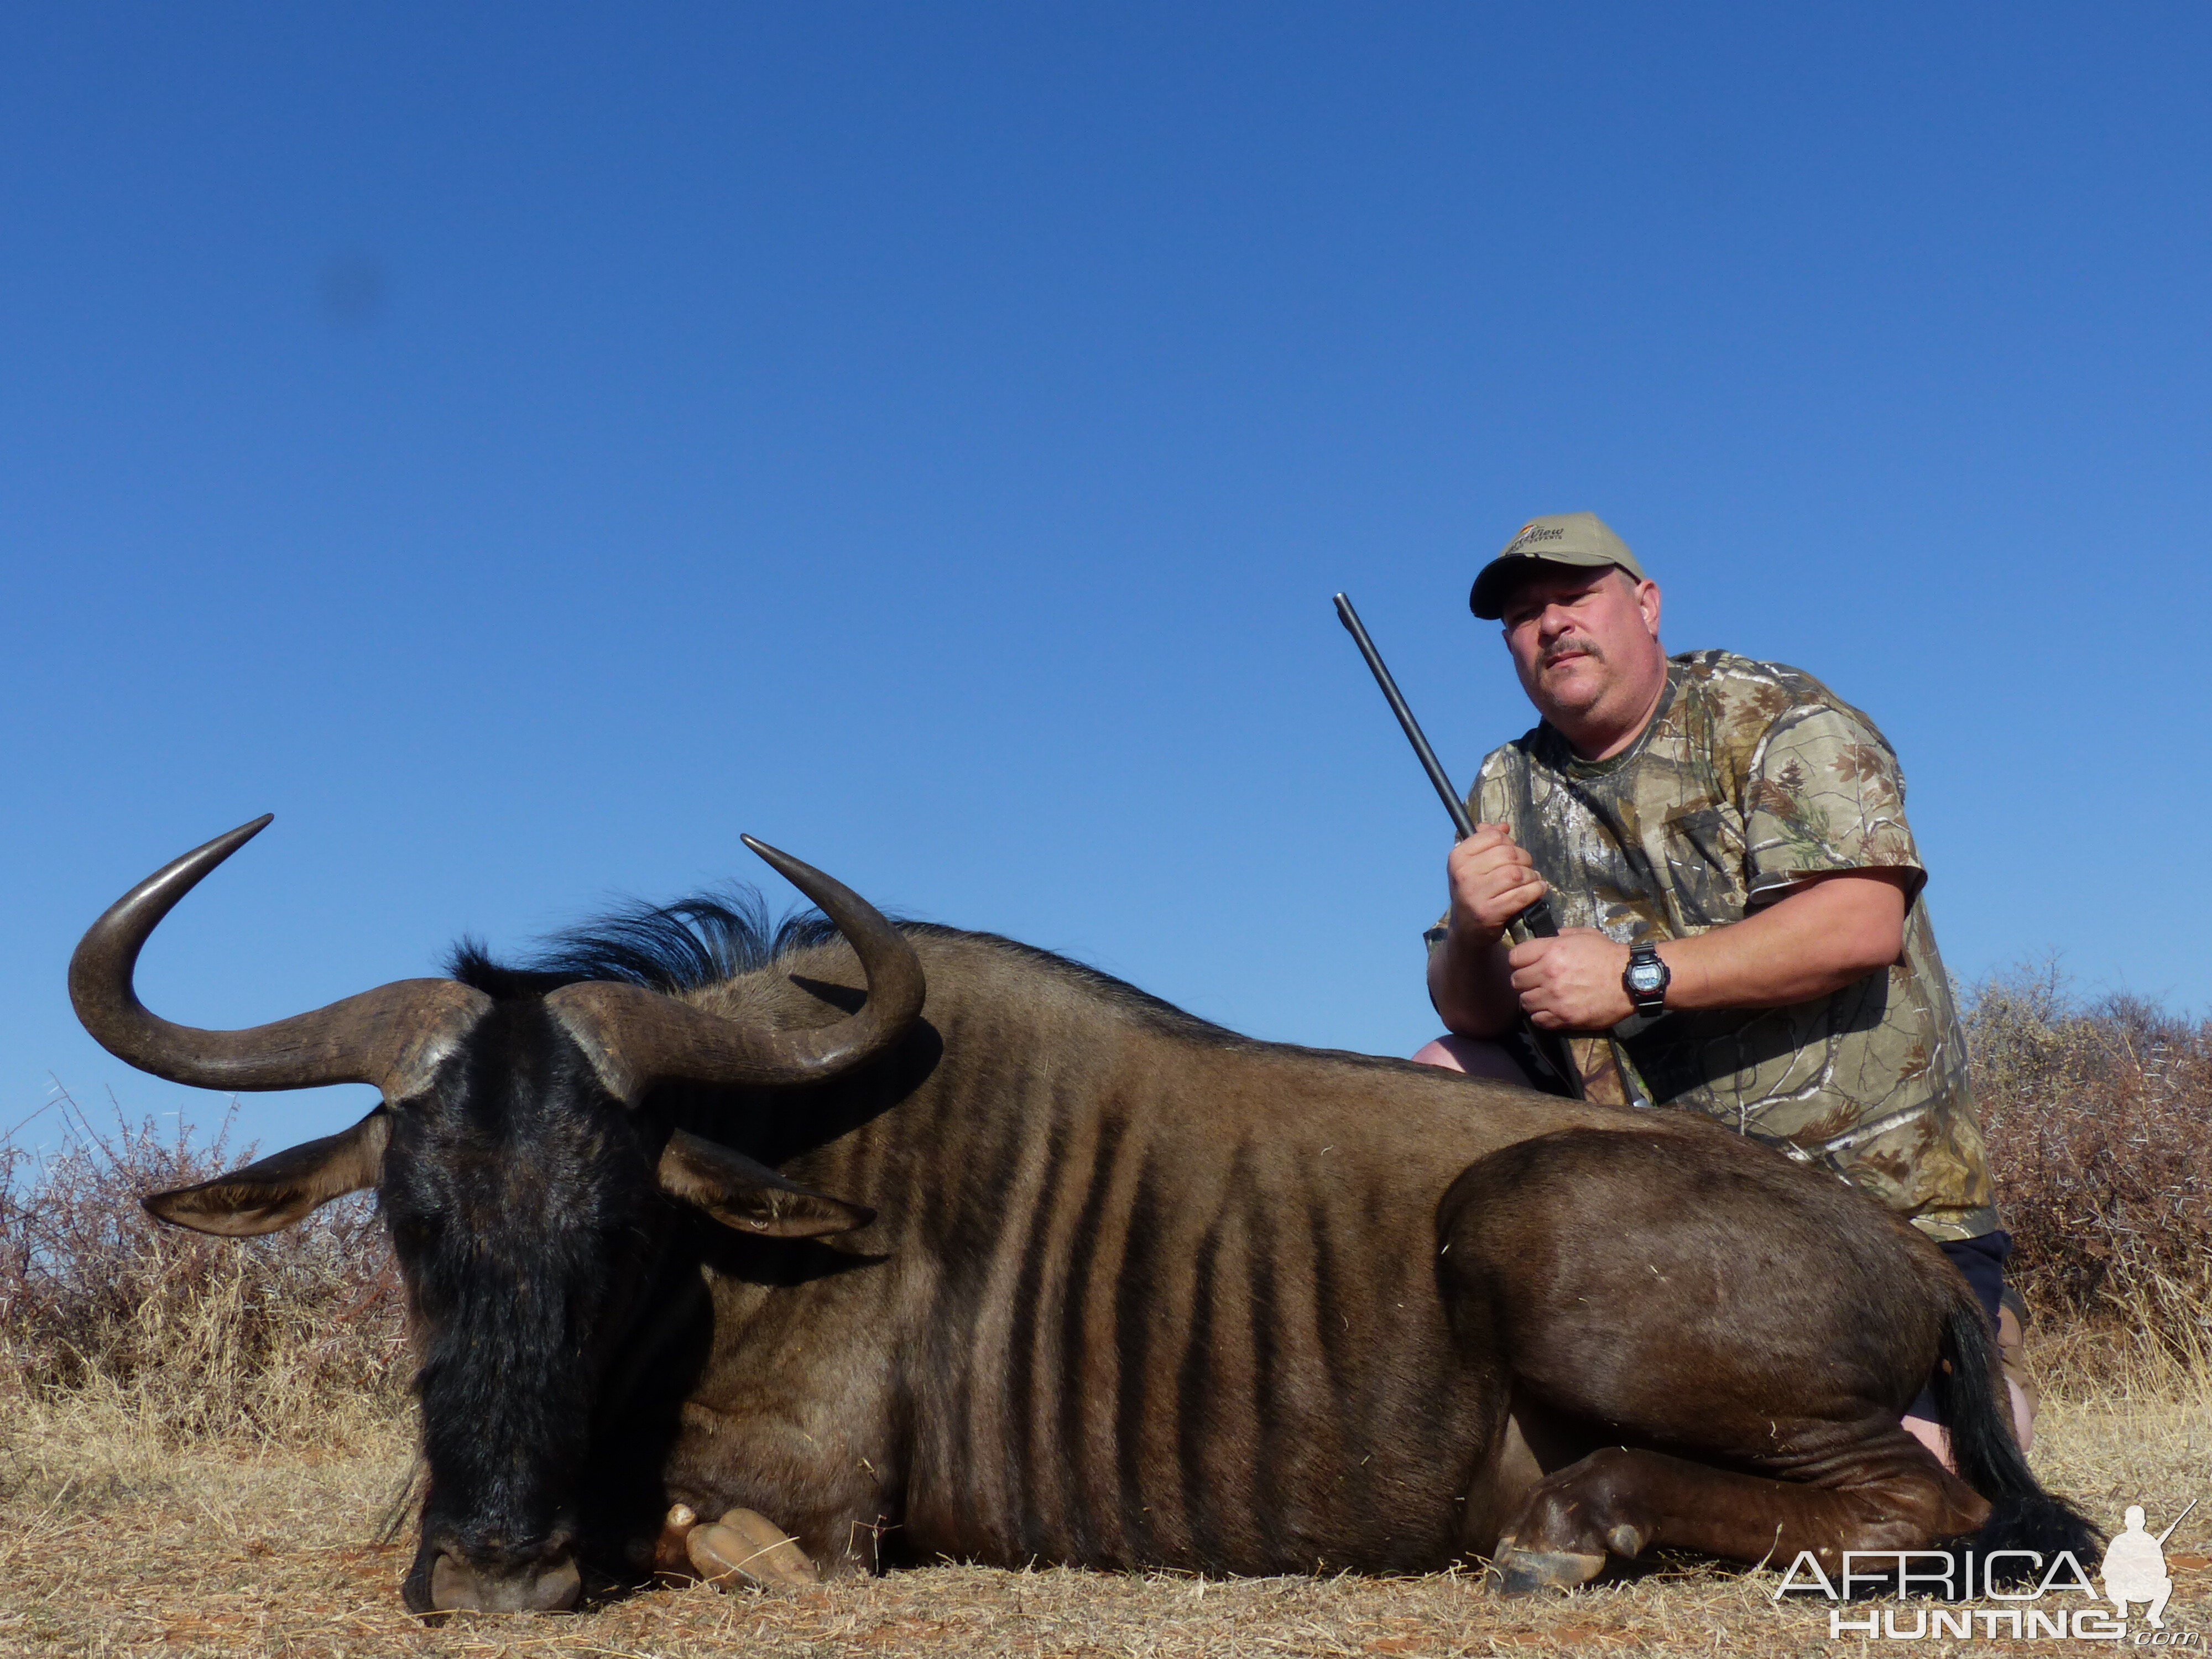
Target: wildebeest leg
x=745, y=1548
x=1721, y=1305
x=1531, y=1445
x=793, y=1465
x=668, y=1554
x=1627, y=1501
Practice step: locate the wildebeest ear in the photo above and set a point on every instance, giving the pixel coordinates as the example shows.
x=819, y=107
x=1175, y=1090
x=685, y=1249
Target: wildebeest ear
x=751, y=1197
x=282, y=1188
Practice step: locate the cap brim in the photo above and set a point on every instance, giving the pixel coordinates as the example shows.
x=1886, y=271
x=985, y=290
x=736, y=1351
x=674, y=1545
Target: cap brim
x=1495, y=582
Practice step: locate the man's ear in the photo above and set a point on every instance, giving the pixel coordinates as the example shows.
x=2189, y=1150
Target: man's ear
x=281, y=1189
x=750, y=1197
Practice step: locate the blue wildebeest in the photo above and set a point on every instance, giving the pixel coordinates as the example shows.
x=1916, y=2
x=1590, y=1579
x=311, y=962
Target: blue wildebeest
x=909, y=1242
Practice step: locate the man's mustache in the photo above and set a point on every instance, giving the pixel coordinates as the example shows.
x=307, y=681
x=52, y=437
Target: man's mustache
x=1565, y=644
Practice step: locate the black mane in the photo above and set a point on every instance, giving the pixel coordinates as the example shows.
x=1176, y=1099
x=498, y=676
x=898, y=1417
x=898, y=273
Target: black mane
x=687, y=945
x=707, y=938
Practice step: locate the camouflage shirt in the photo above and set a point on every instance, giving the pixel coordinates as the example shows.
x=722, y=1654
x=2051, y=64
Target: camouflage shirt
x=1750, y=777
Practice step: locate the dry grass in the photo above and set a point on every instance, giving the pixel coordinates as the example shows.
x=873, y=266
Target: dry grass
x=115, y=1544
x=200, y=1442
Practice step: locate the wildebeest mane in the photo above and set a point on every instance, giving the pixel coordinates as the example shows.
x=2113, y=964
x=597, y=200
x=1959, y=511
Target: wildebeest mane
x=707, y=938
x=686, y=945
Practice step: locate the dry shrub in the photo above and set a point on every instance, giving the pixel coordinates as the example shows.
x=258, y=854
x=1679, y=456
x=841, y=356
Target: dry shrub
x=2099, y=1119
x=291, y=1336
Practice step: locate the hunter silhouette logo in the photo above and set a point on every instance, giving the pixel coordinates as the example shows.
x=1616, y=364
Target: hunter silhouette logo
x=2135, y=1566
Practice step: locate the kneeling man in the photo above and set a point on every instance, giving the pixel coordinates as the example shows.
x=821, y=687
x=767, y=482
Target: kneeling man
x=1741, y=933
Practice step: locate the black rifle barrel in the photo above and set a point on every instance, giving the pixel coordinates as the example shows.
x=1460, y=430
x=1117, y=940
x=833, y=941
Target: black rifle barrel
x=1449, y=796
x=1537, y=918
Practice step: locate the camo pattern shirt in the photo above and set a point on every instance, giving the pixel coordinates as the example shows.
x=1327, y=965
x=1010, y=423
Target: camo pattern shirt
x=1750, y=778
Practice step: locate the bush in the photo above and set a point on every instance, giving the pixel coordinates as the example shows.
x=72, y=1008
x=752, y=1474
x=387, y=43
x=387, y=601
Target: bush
x=2099, y=1120
x=277, y=1337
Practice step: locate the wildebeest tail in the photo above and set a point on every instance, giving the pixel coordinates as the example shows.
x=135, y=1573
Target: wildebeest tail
x=2022, y=1516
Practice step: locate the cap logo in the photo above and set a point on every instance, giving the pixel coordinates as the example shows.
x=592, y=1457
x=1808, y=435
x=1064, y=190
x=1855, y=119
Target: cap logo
x=1535, y=532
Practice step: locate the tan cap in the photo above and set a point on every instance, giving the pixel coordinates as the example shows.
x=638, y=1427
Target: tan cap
x=1573, y=539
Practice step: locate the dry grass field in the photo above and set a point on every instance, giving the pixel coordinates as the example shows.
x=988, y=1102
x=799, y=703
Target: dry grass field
x=117, y=1541
x=205, y=1449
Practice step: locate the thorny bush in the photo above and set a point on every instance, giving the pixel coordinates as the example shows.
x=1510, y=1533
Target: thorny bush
x=2098, y=1120
x=277, y=1337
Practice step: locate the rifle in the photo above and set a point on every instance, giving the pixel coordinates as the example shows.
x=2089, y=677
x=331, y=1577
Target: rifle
x=1550, y=1052
x=1537, y=917
x=2177, y=1519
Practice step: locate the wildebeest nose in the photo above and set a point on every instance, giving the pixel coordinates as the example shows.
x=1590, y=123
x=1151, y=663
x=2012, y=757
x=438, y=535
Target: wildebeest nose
x=548, y=1584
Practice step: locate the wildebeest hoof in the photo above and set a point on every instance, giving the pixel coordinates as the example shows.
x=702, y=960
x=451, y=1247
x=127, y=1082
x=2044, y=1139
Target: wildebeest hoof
x=744, y=1547
x=1524, y=1572
x=667, y=1555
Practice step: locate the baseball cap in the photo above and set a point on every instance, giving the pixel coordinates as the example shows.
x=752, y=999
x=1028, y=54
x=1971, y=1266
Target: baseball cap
x=1570, y=539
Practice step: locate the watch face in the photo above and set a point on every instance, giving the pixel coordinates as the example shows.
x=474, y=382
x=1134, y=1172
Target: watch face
x=1645, y=977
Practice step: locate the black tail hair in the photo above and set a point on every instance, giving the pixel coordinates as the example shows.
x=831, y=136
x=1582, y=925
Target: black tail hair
x=2022, y=1516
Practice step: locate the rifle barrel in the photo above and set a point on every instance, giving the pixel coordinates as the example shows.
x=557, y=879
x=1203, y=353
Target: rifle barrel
x=2176, y=1521
x=1537, y=918
x=1449, y=796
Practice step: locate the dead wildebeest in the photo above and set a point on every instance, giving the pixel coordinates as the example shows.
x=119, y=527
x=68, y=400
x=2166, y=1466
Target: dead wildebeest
x=1038, y=1268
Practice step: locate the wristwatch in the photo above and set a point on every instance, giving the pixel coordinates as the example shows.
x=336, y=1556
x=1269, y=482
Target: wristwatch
x=1645, y=979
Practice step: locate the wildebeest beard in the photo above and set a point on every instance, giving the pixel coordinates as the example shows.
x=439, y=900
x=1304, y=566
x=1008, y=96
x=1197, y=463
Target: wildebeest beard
x=522, y=1206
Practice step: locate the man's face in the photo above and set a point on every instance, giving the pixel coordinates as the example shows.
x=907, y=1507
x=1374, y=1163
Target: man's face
x=1584, y=641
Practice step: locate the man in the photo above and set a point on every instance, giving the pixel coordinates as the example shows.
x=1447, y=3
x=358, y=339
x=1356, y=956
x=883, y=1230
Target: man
x=1724, y=846
x=2135, y=1569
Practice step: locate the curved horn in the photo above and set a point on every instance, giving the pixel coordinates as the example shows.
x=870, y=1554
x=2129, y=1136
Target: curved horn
x=636, y=1038
x=393, y=1036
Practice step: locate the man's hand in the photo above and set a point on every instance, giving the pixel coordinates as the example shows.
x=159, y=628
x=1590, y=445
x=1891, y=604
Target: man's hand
x=1573, y=982
x=1493, y=880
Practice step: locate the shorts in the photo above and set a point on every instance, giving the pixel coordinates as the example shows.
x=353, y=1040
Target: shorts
x=1982, y=1260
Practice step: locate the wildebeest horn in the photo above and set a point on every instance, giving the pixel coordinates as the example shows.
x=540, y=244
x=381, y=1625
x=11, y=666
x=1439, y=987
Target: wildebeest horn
x=393, y=1036
x=636, y=1037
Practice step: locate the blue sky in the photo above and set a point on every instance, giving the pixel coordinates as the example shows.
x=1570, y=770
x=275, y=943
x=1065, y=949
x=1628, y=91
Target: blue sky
x=524, y=447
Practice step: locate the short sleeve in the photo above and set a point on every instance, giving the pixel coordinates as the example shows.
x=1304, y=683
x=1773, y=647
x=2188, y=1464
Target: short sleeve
x=1491, y=800
x=1824, y=793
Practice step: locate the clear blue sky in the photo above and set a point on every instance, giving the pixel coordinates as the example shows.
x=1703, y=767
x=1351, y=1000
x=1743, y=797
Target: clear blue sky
x=525, y=446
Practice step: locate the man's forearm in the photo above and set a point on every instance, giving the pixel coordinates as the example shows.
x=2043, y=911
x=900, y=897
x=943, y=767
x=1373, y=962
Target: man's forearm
x=1822, y=937
x=1825, y=935
x=1471, y=986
